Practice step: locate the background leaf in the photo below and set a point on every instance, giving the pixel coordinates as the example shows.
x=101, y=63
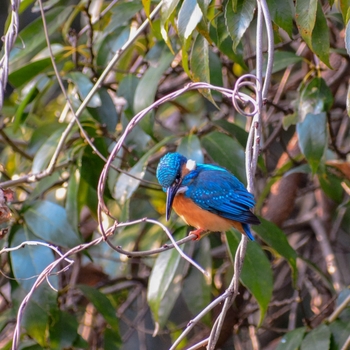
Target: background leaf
x=256, y=272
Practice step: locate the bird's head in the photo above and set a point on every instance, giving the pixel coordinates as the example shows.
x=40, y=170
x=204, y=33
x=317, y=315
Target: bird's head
x=171, y=170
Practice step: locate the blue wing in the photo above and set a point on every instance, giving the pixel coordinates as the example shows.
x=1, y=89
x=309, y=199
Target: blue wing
x=218, y=191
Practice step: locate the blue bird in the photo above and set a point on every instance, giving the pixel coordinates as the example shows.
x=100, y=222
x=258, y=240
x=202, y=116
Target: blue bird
x=205, y=196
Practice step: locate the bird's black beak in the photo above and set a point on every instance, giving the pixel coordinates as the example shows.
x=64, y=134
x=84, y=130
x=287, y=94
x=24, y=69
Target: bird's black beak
x=170, y=195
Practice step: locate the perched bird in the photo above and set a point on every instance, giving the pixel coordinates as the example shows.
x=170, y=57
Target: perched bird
x=205, y=196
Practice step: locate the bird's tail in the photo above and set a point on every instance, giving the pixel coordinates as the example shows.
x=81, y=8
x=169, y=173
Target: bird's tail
x=247, y=231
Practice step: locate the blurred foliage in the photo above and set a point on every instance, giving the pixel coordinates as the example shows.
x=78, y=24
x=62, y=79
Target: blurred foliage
x=106, y=300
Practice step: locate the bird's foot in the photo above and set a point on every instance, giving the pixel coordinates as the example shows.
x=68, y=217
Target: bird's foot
x=197, y=233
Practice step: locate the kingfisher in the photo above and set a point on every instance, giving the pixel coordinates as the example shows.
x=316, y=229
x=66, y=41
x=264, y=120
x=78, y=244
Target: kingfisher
x=206, y=196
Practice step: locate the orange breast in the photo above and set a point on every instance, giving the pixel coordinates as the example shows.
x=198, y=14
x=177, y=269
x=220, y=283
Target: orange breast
x=197, y=217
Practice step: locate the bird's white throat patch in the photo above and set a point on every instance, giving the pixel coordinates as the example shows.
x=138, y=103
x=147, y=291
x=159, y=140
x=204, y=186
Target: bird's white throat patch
x=190, y=165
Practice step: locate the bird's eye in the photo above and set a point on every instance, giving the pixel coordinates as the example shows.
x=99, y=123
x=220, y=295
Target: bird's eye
x=177, y=179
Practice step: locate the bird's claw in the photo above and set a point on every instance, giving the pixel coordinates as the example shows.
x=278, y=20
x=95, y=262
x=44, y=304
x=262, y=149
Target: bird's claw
x=197, y=233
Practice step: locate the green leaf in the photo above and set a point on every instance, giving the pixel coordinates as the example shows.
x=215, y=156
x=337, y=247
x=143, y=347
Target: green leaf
x=340, y=331
x=292, y=340
x=20, y=115
x=276, y=239
x=163, y=287
x=84, y=85
x=106, y=114
x=234, y=130
x=238, y=22
x=312, y=137
x=29, y=71
x=160, y=58
x=200, y=64
x=168, y=7
x=282, y=59
x=190, y=147
x=190, y=15
x=305, y=17
x=318, y=338
x=344, y=8
x=315, y=97
x=111, y=339
x=332, y=186
x=121, y=14
x=225, y=43
x=48, y=221
x=282, y=14
x=217, y=146
x=46, y=151
x=72, y=203
x=256, y=273
x=110, y=45
x=127, y=89
x=102, y=304
x=27, y=263
x=31, y=39
x=320, y=37
x=91, y=163
x=63, y=328
x=127, y=185
x=196, y=290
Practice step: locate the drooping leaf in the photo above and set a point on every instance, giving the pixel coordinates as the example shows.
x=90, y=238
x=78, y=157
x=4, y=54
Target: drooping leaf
x=63, y=330
x=292, y=340
x=48, y=221
x=318, y=338
x=320, y=37
x=256, y=272
x=282, y=14
x=190, y=147
x=102, y=304
x=312, y=136
x=277, y=240
x=225, y=43
x=238, y=22
x=197, y=289
x=305, y=17
x=163, y=287
x=200, y=64
x=189, y=16
x=226, y=152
